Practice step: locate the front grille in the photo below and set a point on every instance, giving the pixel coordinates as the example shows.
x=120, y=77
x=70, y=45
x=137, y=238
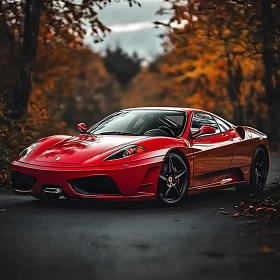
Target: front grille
x=22, y=182
x=95, y=185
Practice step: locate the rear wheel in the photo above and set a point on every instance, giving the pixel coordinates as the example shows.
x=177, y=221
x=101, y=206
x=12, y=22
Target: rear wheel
x=173, y=180
x=258, y=172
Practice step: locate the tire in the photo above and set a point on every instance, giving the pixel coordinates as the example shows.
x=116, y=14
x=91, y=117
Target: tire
x=173, y=180
x=258, y=172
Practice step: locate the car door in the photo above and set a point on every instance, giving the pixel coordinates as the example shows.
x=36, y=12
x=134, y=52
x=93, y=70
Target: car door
x=212, y=152
x=243, y=148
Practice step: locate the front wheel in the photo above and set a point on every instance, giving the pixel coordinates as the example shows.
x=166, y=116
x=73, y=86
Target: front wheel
x=173, y=180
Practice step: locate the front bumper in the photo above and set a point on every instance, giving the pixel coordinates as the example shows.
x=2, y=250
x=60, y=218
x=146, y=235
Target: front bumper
x=136, y=181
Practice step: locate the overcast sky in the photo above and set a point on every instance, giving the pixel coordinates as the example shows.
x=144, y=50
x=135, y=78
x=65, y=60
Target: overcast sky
x=132, y=28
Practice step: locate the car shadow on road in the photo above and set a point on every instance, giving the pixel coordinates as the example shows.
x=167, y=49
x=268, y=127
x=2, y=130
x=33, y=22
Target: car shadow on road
x=207, y=199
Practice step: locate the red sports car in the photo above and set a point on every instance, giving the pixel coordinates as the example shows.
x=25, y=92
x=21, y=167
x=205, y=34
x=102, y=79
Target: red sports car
x=144, y=154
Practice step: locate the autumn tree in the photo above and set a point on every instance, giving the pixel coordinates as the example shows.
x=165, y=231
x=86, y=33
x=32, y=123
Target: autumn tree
x=119, y=63
x=24, y=18
x=71, y=82
x=148, y=88
x=250, y=27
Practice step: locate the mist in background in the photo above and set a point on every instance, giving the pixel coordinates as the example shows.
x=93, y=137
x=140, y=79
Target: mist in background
x=132, y=29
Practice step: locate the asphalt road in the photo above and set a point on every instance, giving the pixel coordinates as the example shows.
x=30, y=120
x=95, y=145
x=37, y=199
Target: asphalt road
x=74, y=240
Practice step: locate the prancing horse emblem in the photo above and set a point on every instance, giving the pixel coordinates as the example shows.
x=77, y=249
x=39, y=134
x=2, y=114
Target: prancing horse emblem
x=58, y=158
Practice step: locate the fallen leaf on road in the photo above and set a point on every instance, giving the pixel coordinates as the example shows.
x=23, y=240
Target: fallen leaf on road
x=270, y=209
x=222, y=211
x=235, y=214
x=266, y=249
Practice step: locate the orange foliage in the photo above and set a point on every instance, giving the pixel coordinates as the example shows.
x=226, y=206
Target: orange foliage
x=70, y=76
x=199, y=72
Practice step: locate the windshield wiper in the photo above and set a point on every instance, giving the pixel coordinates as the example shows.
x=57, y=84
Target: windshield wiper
x=117, y=132
x=86, y=132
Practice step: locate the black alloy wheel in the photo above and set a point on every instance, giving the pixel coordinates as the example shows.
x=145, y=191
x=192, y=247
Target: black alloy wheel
x=173, y=179
x=259, y=170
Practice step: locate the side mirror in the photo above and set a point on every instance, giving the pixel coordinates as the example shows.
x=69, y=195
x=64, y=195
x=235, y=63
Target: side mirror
x=205, y=129
x=82, y=127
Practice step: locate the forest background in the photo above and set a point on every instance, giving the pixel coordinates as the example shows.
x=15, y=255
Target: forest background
x=221, y=56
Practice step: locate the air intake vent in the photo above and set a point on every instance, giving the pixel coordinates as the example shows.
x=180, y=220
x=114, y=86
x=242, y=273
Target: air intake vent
x=95, y=185
x=22, y=181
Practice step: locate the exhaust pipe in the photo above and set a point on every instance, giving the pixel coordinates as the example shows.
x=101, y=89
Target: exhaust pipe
x=55, y=190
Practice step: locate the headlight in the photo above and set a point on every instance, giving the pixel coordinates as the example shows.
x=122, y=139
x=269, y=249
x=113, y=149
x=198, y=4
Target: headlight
x=128, y=151
x=26, y=151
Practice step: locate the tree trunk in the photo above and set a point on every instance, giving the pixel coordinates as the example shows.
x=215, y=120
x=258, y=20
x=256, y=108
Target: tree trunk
x=235, y=77
x=272, y=98
x=28, y=54
x=7, y=60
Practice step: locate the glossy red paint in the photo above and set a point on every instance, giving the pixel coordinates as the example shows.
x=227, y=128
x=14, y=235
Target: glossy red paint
x=214, y=161
x=82, y=127
x=204, y=130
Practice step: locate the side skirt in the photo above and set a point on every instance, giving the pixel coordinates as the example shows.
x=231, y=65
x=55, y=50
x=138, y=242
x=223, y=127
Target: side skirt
x=224, y=184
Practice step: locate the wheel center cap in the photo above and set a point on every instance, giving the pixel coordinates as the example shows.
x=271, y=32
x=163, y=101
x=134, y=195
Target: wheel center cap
x=170, y=179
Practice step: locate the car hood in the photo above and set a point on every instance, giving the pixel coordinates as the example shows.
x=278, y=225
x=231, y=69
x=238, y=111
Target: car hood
x=78, y=149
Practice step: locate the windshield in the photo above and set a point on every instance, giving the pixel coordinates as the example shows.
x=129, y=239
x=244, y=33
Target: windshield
x=140, y=122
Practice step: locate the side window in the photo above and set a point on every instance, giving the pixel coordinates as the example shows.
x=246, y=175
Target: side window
x=201, y=119
x=223, y=126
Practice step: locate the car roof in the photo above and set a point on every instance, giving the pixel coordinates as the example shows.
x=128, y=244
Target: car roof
x=189, y=110
x=166, y=108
